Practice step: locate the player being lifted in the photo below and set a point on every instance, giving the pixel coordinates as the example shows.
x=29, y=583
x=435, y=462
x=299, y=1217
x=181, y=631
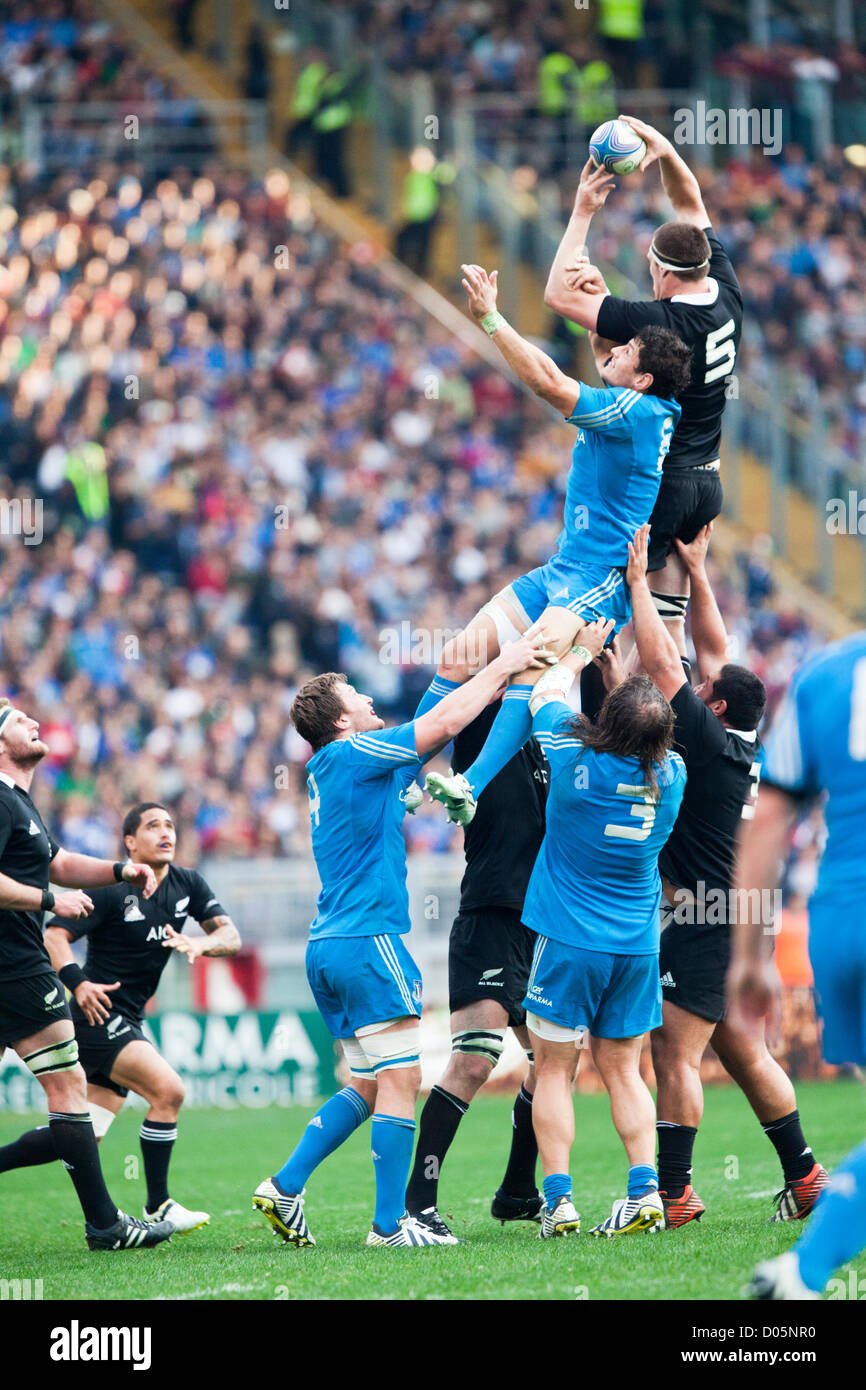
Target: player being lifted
x=817, y=744
x=623, y=433
x=34, y=1016
x=715, y=732
x=696, y=295
x=365, y=982
x=129, y=940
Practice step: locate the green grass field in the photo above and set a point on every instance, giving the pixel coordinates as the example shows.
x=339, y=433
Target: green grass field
x=221, y=1155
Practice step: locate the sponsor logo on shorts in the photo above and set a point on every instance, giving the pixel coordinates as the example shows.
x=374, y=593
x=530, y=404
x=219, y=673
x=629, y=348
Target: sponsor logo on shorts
x=538, y=997
x=114, y=1029
x=487, y=978
x=52, y=1000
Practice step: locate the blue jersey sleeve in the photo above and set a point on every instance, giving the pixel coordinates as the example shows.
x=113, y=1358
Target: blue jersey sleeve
x=789, y=755
x=382, y=751
x=604, y=410
x=553, y=727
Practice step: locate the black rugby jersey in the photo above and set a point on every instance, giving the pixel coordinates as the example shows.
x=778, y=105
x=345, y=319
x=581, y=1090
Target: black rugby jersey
x=723, y=774
x=711, y=326
x=504, y=837
x=26, y=851
x=125, y=934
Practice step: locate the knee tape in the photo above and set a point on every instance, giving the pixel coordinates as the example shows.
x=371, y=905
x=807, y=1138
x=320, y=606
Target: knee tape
x=391, y=1051
x=480, y=1042
x=555, y=1032
x=671, y=608
x=357, y=1059
x=56, y=1057
x=102, y=1119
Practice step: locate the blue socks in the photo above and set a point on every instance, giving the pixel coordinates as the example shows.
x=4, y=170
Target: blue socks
x=328, y=1129
x=556, y=1186
x=438, y=688
x=391, y=1145
x=512, y=727
x=642, y=1178
x=837, y=1227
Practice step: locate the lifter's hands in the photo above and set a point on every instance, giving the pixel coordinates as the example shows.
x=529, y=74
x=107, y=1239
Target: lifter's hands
x=610, y=663
x=656, y=143
x=638, y=552
x=481, y=290
x=694, y=555
x=594, y=189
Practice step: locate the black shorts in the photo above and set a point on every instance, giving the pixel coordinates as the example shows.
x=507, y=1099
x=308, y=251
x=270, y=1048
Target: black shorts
x=490, y=957
x=693, y=963
x=29, y=1005
x=687, y=501
x=99, y=1044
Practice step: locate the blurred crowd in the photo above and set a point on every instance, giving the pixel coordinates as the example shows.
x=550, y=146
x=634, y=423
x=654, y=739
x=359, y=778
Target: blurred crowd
x=257, y=458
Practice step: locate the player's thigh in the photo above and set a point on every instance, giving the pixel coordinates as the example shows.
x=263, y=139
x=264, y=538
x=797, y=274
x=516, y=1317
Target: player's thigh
x=671, y=578
x=483, y=1013
x=140, y=1068
x=51, y=1054
x=105, y=1099
x=473, y=648
x=61, y=1031
x=559, y=1058
x=617, y=1058
x=682, y=1037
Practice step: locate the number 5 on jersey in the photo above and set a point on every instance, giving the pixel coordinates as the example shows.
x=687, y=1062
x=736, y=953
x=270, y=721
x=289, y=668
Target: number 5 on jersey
x=315, y=799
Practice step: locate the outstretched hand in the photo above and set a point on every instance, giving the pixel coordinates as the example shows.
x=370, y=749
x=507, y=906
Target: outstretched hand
x=656, y=143
x=594, y=189
x=638, y=552
x=481, y=290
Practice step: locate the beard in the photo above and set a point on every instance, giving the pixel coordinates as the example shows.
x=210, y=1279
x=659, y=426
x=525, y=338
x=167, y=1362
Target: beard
x=31, y=754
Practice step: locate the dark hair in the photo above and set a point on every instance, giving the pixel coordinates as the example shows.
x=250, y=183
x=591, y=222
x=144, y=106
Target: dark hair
x=685, y=247
x=132, y=819
x=316, y=709
x=635, y=721
x=667, y=357
x=744, y=696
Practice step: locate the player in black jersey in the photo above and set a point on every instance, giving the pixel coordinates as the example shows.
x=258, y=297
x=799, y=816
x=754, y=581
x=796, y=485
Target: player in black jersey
x=129, y=937
x=716, y=734
x=34, y=1018
x=489, y=960
x=696, y=294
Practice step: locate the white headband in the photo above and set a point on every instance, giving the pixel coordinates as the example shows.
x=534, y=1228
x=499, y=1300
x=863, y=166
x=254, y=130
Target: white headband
x=677, y=269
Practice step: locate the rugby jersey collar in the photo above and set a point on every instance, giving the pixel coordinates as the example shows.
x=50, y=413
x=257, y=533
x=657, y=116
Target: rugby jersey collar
x=709, y=297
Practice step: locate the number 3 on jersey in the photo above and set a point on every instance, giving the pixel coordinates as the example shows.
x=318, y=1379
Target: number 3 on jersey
x=643, y=807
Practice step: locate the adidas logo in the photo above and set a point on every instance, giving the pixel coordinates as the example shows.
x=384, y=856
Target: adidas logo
x=180, y=909
x=316, y=1122
x=34, y=829
x=563, y=593
x=375, y=1155
x=668, y=979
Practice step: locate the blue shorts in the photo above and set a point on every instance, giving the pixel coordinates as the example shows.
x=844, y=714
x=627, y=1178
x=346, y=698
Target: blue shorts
x=613, y=996
x=359, y=980
x=837, y=950
x=589, y=591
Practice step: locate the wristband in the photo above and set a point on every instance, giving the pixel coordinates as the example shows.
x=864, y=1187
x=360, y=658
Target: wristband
x=72, y=976
x=47, y=900
x=558, y=678
x=118, y=871
x=583, y=653
x=492, y=322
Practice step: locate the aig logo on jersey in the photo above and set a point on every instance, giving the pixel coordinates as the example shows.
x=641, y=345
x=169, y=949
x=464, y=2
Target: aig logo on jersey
x=157, y=934
x=131, y=910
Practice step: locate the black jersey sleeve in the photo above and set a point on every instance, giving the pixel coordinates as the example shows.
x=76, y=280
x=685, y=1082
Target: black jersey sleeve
x=5, y=827
x=620, y=319
x=203, y=902
x=698, y=733
x=52, y=845
x=720, y=267
x=83, y=926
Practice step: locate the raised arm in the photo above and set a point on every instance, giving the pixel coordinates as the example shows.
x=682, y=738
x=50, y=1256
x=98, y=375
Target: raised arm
x=538, y=371
x=678, y=181
x=578, y=305
x=83, y=871
x=709, y=634
x=458, y=709
x=657, y=649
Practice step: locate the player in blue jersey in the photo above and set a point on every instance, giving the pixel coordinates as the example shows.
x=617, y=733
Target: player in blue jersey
x=817, y=744
x=623, y=434
x=593, y=900
x=365, y=982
